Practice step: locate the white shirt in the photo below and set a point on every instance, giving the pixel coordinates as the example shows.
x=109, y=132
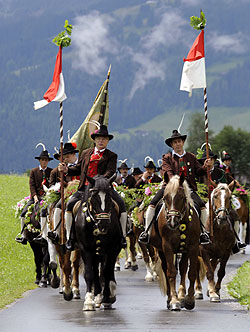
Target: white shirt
x=177, y=154
x=41, y=169
x=73, y=164
x=96, y=150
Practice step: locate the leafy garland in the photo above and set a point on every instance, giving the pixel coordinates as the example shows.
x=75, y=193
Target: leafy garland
x=63, y=38
x=198, y=23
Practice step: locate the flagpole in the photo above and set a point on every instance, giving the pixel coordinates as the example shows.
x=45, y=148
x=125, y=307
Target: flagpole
x=208, y=168
x=62, y=236
x=104, y=103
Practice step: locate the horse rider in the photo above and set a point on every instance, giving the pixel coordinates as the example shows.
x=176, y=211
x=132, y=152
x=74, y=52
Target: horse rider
x=94, y=161
x=69, y=157
x=137, y=173
x=218, y=175
x=175, y=163
x=226, y=164
x=39, y=176
x=125, y=179
x=149, y=175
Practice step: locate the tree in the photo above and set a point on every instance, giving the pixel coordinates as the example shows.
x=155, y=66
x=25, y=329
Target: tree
x=237, y=143
x=196, y=132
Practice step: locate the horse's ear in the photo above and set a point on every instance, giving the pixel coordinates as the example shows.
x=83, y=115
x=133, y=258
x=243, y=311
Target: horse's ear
x=112, y=178
x=166, y=178
x=231, y=185
x=182, y=178
x=91, y=180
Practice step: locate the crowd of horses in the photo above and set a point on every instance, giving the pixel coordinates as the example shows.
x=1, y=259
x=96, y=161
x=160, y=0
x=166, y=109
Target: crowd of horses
x=174, y=247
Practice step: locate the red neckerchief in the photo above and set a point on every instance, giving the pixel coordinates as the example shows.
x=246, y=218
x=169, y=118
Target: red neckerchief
x=93, y=165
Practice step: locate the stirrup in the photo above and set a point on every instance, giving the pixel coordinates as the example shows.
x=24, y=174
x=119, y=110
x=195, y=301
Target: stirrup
x=144, y=238
x=204, y=238
x=54, y=237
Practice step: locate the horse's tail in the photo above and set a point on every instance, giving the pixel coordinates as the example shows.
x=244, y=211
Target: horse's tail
x=161, y=275
x=202, y=268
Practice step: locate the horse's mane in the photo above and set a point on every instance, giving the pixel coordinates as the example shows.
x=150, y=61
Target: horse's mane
x=173, y=186
x=101, y=183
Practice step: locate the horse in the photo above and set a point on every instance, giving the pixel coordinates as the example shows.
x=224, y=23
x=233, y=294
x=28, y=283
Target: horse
x=177, y=231
x=218, y=252
x=41, y=255
x=242, y=227
x=69, y=262
x=98, y=236
x=149, y=253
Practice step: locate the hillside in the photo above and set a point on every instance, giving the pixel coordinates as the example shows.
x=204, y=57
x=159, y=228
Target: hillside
x=145, y=41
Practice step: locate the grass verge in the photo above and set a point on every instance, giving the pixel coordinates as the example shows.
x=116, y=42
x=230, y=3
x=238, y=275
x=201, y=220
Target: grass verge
x=239, y=287
x=17, y=267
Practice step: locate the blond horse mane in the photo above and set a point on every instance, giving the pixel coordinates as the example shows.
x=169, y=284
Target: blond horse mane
x=173, y=185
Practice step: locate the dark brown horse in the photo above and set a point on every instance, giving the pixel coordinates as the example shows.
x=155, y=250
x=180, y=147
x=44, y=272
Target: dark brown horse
x=218, y=252
x=178, y=232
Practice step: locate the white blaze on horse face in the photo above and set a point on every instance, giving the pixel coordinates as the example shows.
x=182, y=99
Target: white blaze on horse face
x=102, y=197
x=223, y=198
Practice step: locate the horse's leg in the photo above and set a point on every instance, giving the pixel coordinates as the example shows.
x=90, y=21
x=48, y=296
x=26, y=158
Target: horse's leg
x=243, y=233
x=189, y=301
x=109, y=291
x=164, y=286
x=149, y=275
x=132, y=241
x=171, y=274
x=37, y=251
x=89, y=303
x=45, y=265
x=237, y=226
x=66, y=268
x=55, y=281
x=210, y=277
x=199, y=277
x=183, y=265
x=221, y=273
x=154, y=259
x=117, y=264
x=75, y=259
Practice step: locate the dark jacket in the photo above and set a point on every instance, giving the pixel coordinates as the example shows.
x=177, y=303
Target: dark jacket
x=106, y=165
x=154, y=179
x=129, y=181
x=170, y=165
x=36, y=181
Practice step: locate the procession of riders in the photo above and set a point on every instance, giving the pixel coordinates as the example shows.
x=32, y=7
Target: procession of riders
x=99, y=160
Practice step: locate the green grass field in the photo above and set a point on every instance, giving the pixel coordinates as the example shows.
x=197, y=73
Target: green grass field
x=239, y=287
x=17, y=268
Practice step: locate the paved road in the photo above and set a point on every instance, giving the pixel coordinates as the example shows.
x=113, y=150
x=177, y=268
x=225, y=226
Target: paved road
x=139, y=307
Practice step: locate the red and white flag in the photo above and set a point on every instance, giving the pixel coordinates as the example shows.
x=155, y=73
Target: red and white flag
x=56, y=91
x=194, y=72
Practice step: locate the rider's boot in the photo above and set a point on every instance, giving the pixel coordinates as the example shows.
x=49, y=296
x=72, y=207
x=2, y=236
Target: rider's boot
x=20, y=238
x=145, y=235
x=68, y=225
x=54, y=236
x=130, y=232
x=123, y=222
x=42, y=238
x=204, y=235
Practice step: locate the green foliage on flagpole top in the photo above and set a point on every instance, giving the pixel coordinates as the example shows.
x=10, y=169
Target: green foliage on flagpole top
x=63, y=38
x=198, y=23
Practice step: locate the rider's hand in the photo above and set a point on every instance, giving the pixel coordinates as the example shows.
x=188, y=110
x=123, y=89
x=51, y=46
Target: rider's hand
x=35, y=199
x=208, y=163
x=63, y=167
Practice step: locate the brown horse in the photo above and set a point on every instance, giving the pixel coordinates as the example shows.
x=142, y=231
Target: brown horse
x=241, y=227
x=218, y=252
x=69, y=263
x=178, y=232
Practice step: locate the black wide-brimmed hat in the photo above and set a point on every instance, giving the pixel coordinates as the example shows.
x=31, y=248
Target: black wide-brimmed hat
x=150, y=164
x=103, y=131
x=68, y=148
x=175, y=134
x=123, y=166
x=211, y=155
x=137, y=171
x=44, y=154
x=226, y=156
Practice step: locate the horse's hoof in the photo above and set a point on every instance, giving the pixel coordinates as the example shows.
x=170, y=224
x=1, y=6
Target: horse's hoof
x=139, y=255
x=215, y=299
x=175, y=307
x=60, y=290
x=55, y=282
x=198, y=296
x=149, y=278
x=43, y=283
x=112, y=299
x=182, y=302
x=37, y=281
x=117, y=268
x=68, y=297
x=189, y=305
x=98, y=300
x=127, y=265
x=107, y=306
x=88, y=307
x=134, y=267
x=76, y=294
